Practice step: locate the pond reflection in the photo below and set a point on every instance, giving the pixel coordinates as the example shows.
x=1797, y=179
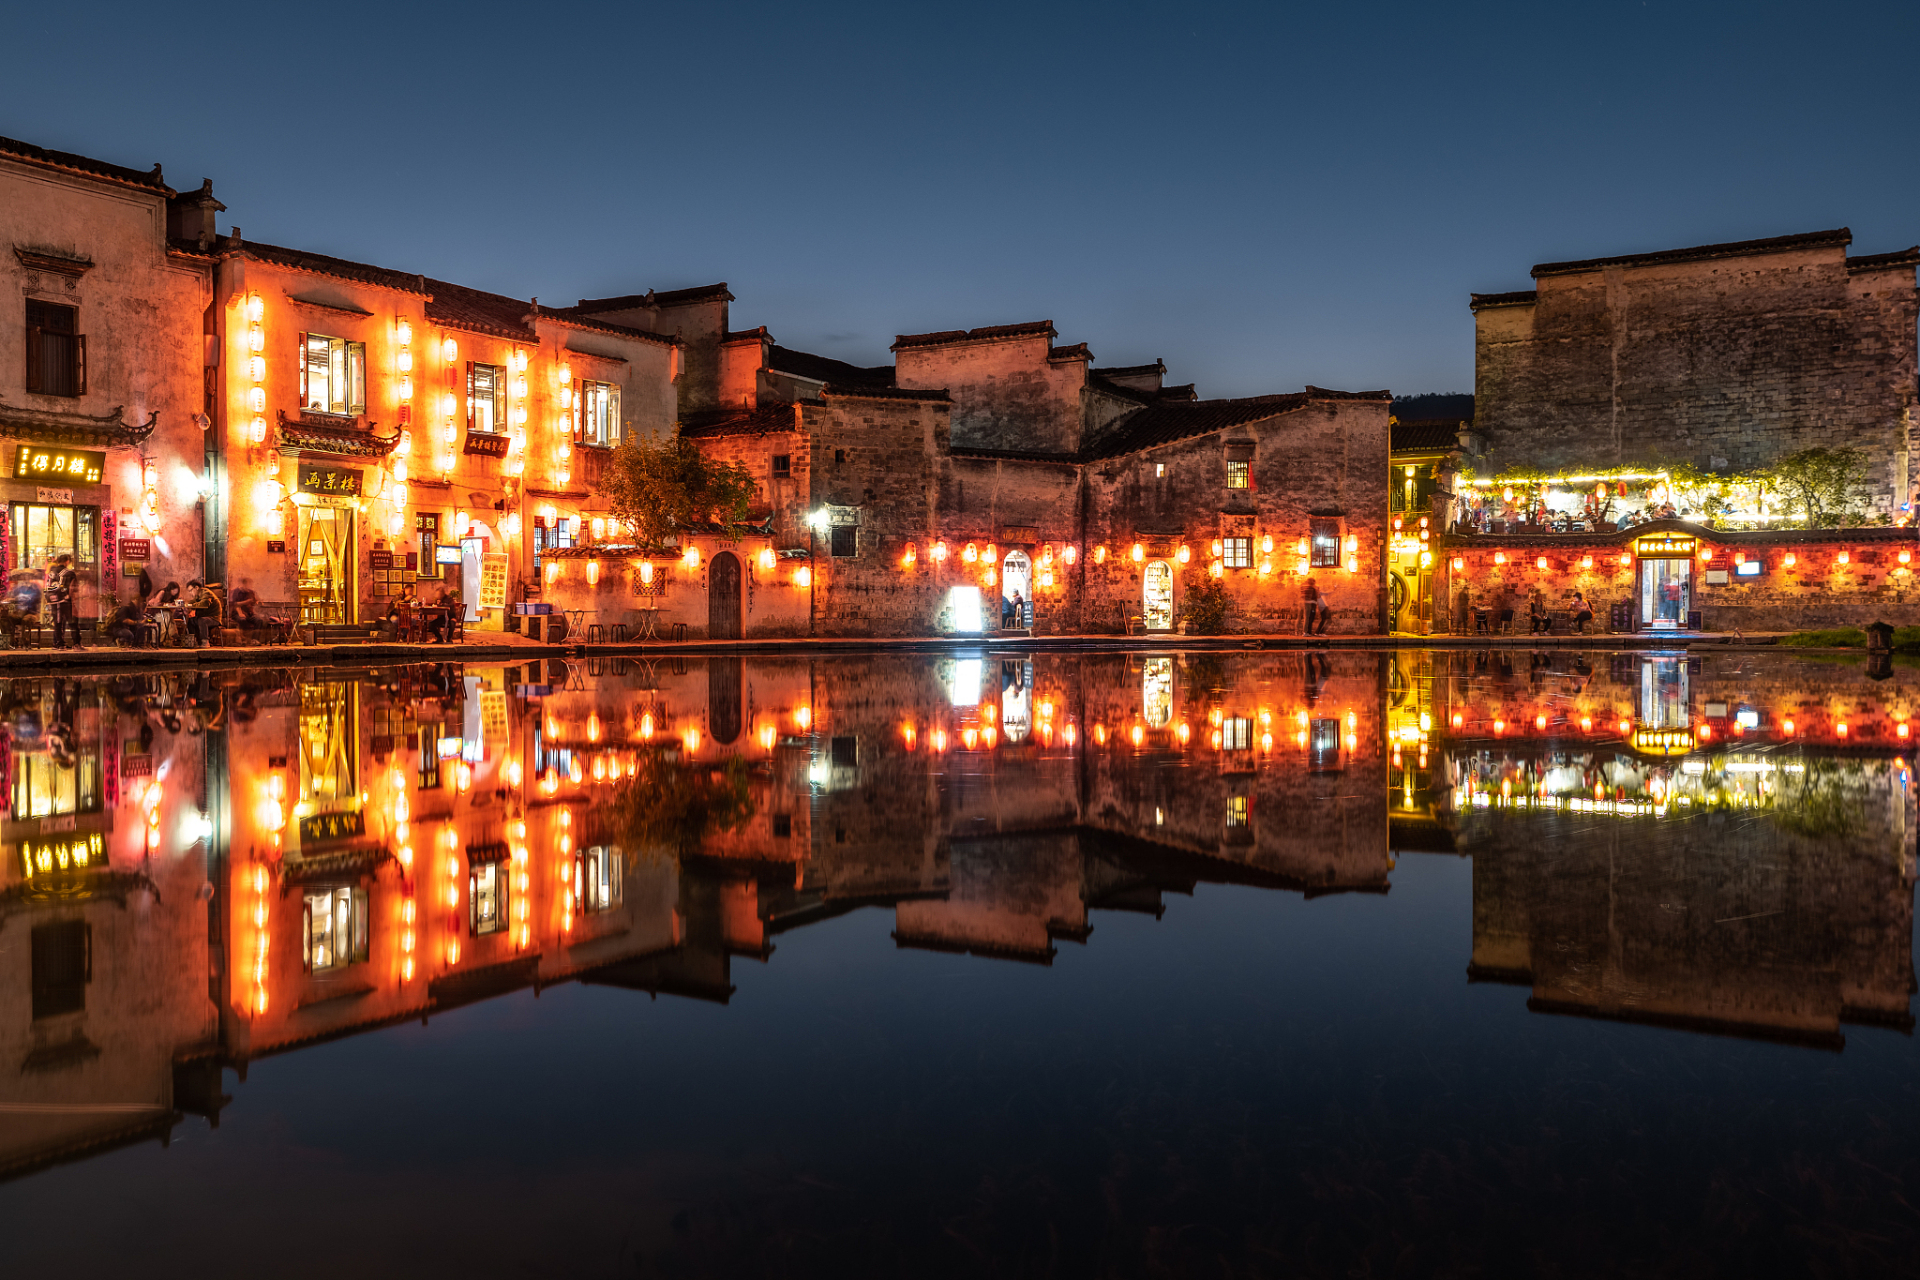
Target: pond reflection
x=204, y=870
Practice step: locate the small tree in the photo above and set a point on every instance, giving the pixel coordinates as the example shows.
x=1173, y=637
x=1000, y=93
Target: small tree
x=669, y=490
x=1822, y=484
x=1207, y=606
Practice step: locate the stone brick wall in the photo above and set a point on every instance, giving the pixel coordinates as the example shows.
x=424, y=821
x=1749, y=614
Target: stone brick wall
x=1817, y=590
x=1007, y=393
x=1327, y=458
x=1727, y=362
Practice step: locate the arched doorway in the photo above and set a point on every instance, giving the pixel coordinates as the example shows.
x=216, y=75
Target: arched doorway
x=1016, y=591
x=723, y=597
x=1156, y=596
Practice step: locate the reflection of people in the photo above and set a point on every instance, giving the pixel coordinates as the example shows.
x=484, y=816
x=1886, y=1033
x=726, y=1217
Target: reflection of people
x=60, y=588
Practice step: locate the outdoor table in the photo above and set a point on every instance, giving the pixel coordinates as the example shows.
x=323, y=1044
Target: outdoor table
x=649, y=627
x=576, y=623
x=435, y=610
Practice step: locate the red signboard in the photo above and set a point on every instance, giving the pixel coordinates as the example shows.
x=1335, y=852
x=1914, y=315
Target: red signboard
x=380, y=560
x=136, y=548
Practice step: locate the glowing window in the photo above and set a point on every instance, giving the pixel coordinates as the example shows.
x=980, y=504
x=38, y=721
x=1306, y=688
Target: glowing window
x=333, y=375
x=1239, y=474
x=596, y=414
x=1238, y=552
x=333, y=930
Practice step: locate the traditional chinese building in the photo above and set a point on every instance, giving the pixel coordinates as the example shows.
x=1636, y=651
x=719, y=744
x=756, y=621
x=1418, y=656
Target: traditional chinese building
x=104, y=402
x=992, y=480
x=381, y=431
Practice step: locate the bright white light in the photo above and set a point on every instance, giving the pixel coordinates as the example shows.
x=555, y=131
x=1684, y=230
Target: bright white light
x=963, y=609
x=1700, y=766
x=818, y=519
x=818, y=772
x=1747, y=719
x=1750, y=766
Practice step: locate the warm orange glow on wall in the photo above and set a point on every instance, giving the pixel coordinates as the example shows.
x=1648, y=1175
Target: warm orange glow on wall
x=1459, y=563
x=1499, y=557
x=1139, y=553
x=803, y=577
x=691, y=557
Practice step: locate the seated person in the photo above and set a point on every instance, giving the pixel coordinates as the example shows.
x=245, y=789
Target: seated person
x=440, y=622
x=205, y=612
x=1537, y=617
x=127, y=625
x=247, y=616
x=20, y=607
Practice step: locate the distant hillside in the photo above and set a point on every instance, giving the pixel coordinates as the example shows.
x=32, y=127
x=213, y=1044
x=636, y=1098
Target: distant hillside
x=1433, y=405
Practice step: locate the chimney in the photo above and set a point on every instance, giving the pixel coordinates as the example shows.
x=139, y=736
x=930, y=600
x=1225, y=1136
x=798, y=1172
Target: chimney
x=190, y=217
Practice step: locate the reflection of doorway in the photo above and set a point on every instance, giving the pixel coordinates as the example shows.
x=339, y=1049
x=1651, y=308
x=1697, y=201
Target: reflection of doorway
x=1666, y=594
x=1664, y=700
x=723, y=699
x=1156, y=691
x=1156, y=603
x=723, y=597
x=1016, y=699
x=1016, y=591
x=326, y=565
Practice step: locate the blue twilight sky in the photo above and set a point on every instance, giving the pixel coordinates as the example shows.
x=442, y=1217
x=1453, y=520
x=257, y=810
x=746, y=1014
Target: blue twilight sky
x=1264, y=195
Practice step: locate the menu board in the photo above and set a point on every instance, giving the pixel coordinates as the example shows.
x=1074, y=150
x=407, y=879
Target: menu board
x=493, y=580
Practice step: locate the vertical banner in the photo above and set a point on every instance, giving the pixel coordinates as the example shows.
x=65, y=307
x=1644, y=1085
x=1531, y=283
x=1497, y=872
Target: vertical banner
x=109, y=554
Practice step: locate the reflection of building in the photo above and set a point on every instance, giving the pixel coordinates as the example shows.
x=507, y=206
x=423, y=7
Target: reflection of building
x=1697, y=842
x=104, y=1007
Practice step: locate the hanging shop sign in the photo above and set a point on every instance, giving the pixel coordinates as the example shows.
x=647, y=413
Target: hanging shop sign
x=1666, y=546
x=276, y=546
x=54, y=497
x=487, y=446
x=39, y=462
x=339, y=482
x=332, y=826
x=136, y=548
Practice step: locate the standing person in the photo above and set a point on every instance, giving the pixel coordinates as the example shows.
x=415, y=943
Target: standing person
x=60, y=588
x=1314, y=607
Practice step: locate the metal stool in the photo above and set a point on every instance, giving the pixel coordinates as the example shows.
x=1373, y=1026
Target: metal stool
x=596, y=633
x=679, y=631
x=619, y=632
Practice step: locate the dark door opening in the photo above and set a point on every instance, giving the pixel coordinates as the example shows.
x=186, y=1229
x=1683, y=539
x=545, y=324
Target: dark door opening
x=723, y=597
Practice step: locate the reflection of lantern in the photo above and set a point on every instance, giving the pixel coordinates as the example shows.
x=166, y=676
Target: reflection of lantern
x=910, y=555
x=1842, y=557
x=1459, y=563
x=1217, y=569
x=1099, y=555
x=990, y=577
x=768, y=558
x=990, y=554
x=1499, y=557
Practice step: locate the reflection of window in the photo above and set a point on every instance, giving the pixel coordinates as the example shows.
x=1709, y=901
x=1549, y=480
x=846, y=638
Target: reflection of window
x=1238, y=552
x=845, y=540
x=1239, y=813
x=600, y=878
x=782, y=826
x=1239, y=474
x=487, y=898
x=429, y=749
x=333, y=374
x=846, y=753
x=335, y=929
x=486, y=398
x=1236, y=734
x=62, y=967
x=1324, y=745
x=596, y=413
x=1326, y=544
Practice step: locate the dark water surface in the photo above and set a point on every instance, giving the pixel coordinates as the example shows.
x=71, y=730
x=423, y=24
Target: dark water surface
x=1047, y=964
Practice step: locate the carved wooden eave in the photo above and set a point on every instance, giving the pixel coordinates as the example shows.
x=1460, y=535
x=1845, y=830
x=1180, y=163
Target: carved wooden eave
x=338, y=434
x=84, y=430
x=57, y=263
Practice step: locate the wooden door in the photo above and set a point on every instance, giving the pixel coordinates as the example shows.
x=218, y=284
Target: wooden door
x=723, y=597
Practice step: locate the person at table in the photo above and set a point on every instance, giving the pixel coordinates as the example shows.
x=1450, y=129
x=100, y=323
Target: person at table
x=246, y=611
x=127, y=625
x=22, y=605
x=204, y=607
x=440, y=622
x=1538, y=619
